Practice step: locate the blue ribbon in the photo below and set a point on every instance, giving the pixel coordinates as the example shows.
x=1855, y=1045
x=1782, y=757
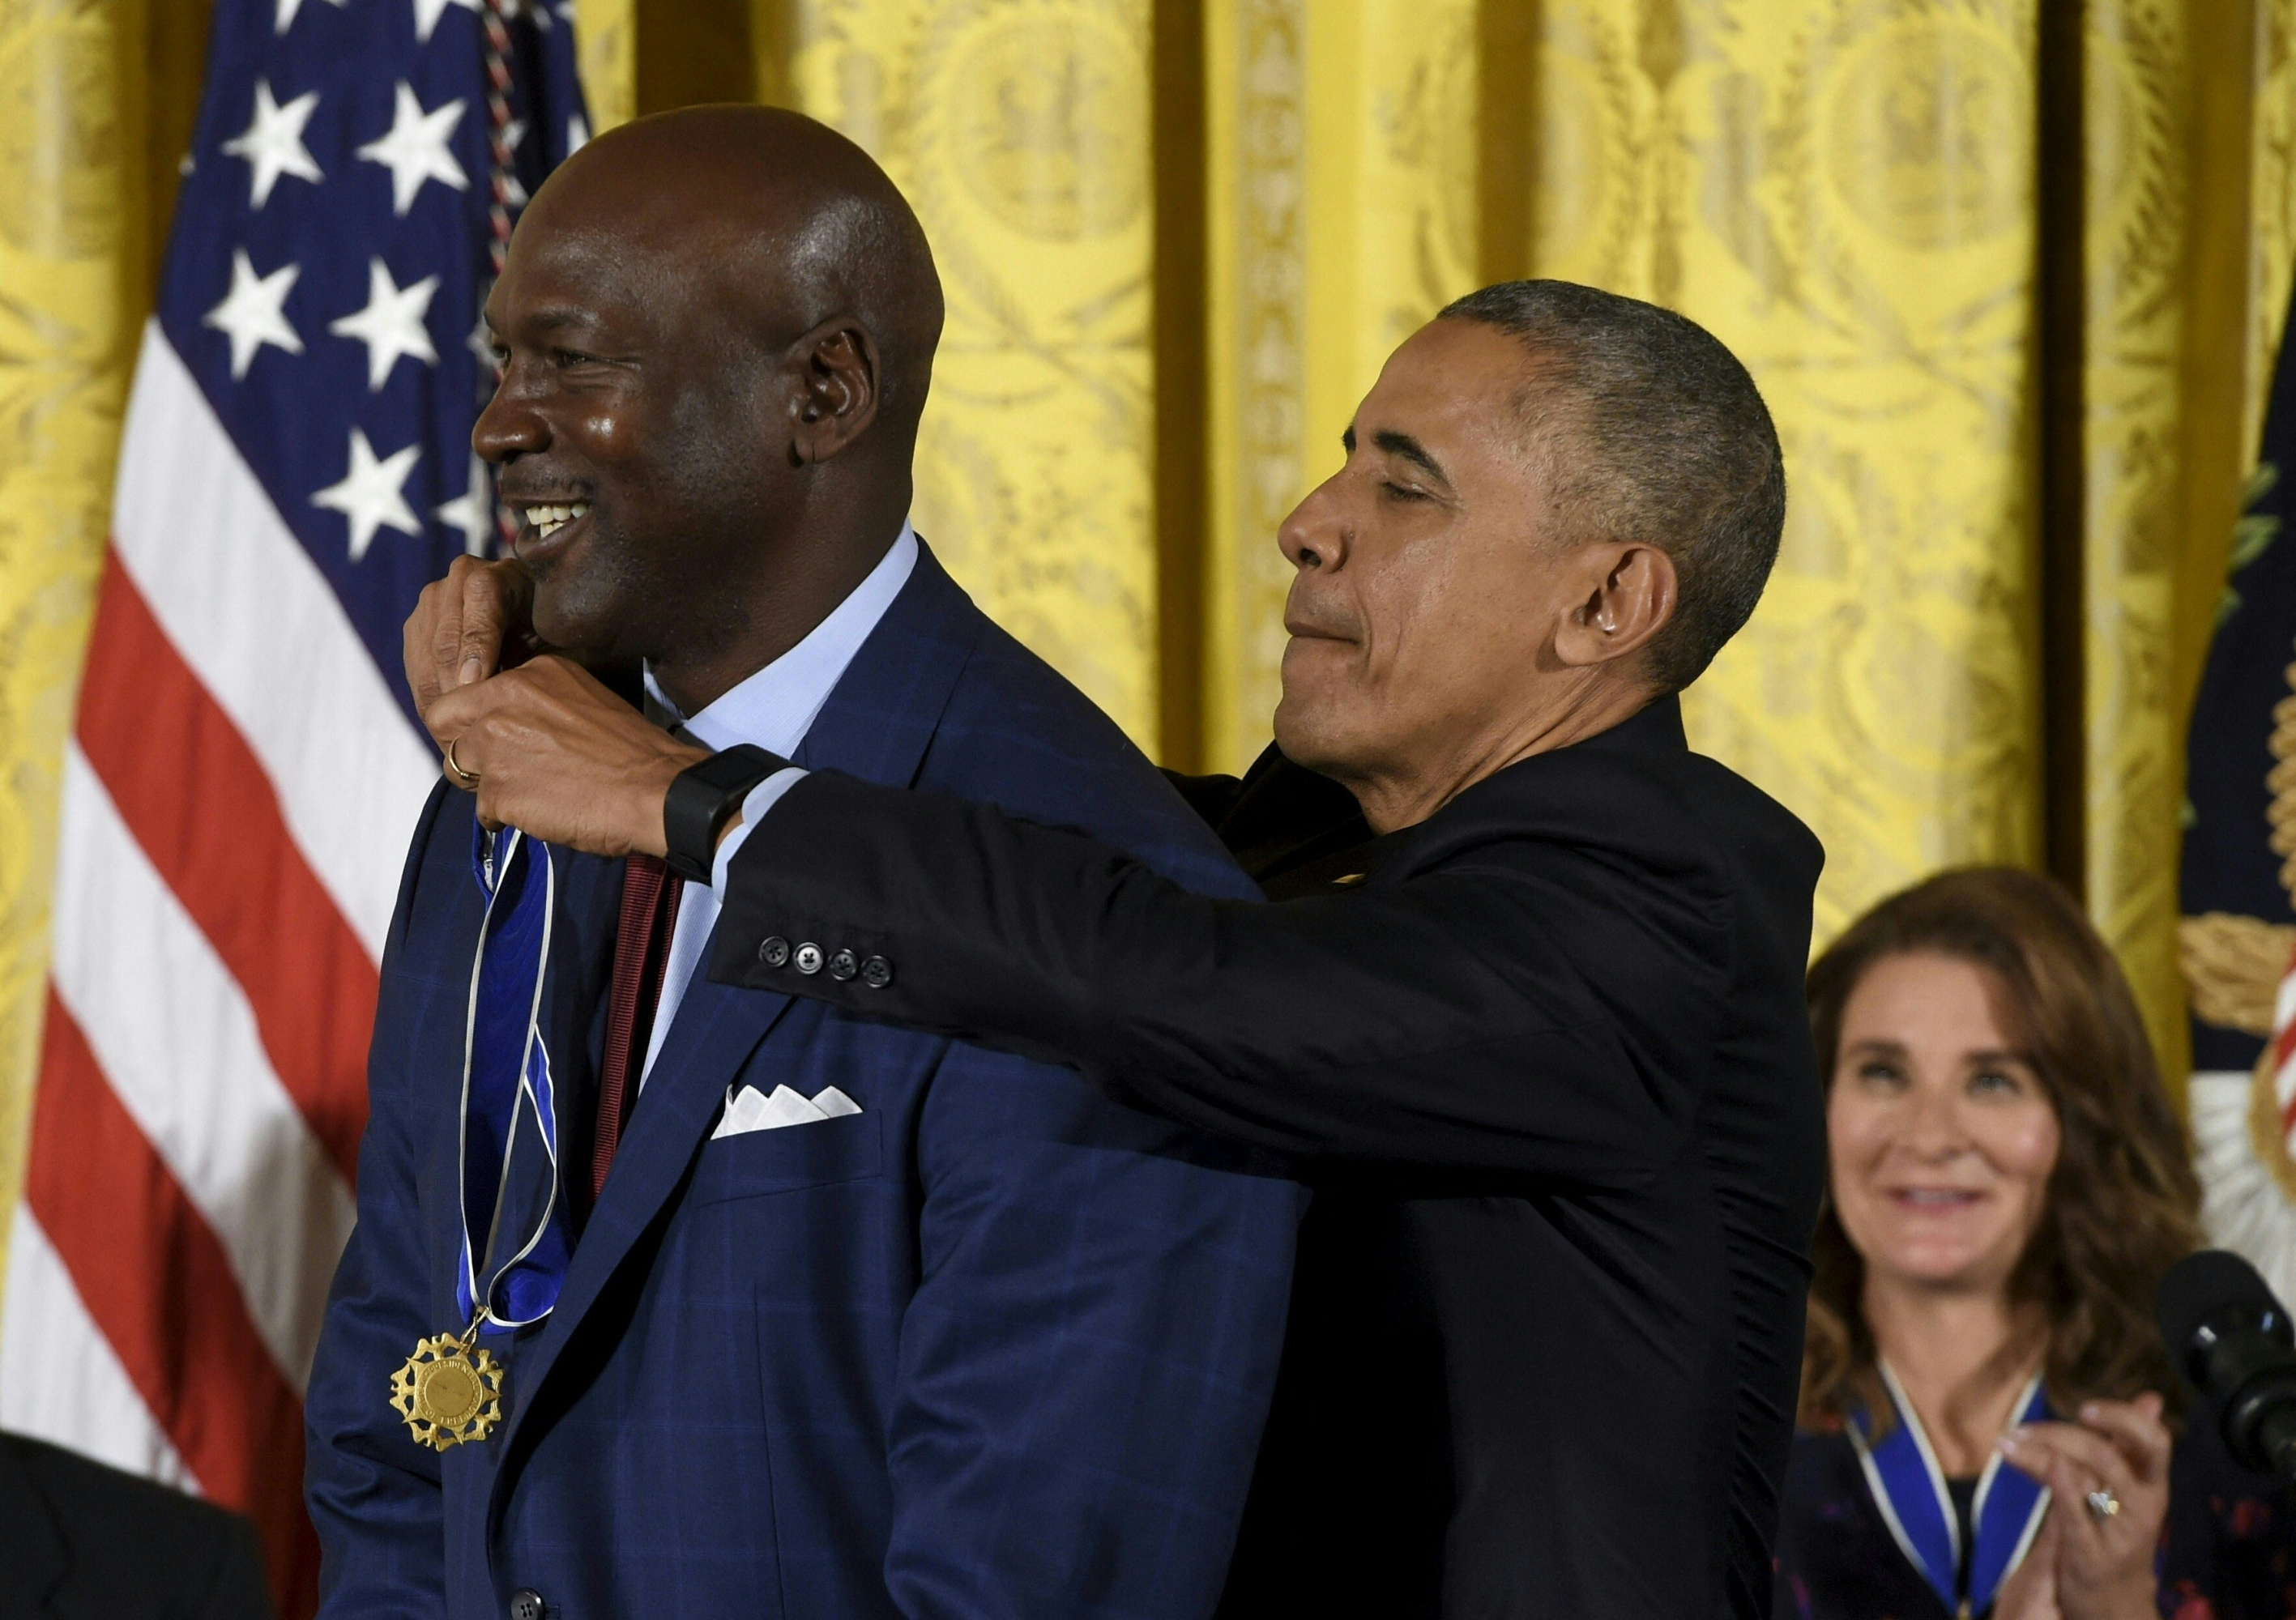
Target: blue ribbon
x=1909, y=1488
x=513, y=1226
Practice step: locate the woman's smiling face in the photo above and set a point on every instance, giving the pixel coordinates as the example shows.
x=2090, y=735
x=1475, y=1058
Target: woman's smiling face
x=1940, y=1134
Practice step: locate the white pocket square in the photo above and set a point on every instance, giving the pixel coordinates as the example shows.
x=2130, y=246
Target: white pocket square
x=753, y=1111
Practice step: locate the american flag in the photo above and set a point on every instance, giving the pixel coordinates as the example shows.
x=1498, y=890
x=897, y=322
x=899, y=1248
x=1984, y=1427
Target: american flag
x=246, y=765
x=2238, y=935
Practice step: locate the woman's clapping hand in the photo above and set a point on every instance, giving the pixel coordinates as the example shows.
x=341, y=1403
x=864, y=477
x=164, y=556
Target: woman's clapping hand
x=2083, y=1565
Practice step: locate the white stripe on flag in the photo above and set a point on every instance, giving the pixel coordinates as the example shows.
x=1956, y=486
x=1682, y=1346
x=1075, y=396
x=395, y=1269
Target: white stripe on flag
x=259, y=625
x=177, y=1042
x=59, y=1378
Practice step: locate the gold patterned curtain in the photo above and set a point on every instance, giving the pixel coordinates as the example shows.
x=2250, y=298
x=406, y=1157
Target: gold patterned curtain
x=1019, y=133
x=97, y=102
x=2010, y=272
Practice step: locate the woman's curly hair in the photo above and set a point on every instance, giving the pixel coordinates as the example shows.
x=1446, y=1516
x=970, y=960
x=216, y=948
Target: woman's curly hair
x=2122, y=1198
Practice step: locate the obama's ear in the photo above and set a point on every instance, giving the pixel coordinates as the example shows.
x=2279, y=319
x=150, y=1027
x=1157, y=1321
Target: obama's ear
x=837, y=367
x=1623, y=594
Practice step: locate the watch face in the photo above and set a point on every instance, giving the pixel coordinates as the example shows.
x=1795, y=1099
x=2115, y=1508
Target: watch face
x=735, y=769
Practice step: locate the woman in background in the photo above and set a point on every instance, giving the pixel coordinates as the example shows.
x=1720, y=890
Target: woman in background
x=1981, y=1427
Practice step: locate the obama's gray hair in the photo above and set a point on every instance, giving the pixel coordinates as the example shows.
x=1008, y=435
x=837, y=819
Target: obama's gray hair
x=1649, y=430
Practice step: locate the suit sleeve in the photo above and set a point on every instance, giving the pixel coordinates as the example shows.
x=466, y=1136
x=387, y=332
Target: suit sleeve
x=1449, y=1019
x=374, y=1493
x=1086, y=1365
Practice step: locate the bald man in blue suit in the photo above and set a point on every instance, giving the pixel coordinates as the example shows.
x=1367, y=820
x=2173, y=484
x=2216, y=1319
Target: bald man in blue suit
x=854, y=1321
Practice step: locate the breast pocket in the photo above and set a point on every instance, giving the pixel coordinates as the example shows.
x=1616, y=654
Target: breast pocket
x=809, y=1155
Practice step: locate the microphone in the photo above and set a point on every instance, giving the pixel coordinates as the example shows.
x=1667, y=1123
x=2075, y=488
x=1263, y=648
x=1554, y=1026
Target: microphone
x=2233, y=1343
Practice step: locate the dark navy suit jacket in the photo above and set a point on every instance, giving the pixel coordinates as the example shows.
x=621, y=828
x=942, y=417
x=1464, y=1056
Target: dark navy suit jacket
x=992, y=1347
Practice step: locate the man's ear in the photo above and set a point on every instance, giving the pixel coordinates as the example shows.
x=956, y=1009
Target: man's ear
x=1625, y=594
x=836, y=399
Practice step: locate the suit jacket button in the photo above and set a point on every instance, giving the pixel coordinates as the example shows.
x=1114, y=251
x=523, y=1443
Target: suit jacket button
x=774, y=951
x=844, y=964
x=807, y=958
x=526, y=1605
x=876, y=972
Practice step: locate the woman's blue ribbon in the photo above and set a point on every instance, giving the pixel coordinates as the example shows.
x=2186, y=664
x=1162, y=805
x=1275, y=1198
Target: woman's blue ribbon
x=1909, y=1488
x=513, y=1226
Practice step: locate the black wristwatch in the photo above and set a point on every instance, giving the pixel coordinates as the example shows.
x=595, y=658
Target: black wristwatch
x=702, y=799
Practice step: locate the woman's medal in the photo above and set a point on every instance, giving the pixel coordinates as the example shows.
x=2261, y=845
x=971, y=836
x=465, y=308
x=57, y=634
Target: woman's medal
x=1910, y=1492
x=450, y=1390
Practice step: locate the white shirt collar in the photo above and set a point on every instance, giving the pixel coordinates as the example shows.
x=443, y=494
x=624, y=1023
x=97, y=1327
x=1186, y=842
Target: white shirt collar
x=775, y=708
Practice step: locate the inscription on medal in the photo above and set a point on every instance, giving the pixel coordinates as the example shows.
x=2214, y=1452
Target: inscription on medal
x=450, y=1391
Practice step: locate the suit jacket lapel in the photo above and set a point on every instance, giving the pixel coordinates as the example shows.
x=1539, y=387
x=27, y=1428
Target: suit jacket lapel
x=718, y=1028
x=879, y=721
x=876, y=725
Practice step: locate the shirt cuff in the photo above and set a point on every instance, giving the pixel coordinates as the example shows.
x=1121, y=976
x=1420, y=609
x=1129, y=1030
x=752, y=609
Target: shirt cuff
x=762, y=797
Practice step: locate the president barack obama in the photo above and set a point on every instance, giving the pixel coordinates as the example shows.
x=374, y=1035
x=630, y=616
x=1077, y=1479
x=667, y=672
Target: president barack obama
x=1527, y=1009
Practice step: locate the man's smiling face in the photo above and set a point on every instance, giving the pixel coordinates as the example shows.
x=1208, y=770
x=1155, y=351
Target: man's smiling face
x=630, y=424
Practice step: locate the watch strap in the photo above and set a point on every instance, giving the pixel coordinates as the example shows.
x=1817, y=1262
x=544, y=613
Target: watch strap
x=701, y=801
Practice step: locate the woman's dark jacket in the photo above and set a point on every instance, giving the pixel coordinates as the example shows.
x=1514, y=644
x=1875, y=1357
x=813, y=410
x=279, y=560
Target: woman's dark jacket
x=2230, y=1551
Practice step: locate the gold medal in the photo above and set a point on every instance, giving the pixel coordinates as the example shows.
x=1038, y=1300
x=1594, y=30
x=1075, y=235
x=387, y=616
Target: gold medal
x=449, y=1390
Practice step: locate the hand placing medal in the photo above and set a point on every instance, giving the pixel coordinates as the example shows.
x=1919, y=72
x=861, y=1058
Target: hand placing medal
x=547, y=747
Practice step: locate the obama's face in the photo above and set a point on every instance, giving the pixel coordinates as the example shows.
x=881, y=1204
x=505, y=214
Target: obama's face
x=1437, y=611
x=632, y=423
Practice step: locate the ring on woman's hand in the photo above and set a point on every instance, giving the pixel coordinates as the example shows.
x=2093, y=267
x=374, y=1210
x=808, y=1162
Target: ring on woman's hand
x=469, y=778
x=2102, y=1505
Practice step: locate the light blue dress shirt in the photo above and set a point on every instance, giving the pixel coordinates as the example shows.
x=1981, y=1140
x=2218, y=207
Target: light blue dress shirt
x=773, y=710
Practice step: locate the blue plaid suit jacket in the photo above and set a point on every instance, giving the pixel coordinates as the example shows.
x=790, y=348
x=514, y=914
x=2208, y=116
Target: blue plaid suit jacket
x=992, y=1347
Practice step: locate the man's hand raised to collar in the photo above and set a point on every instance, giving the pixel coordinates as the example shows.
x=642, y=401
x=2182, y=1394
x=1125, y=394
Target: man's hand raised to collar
x=461, y=625
x=548, y=749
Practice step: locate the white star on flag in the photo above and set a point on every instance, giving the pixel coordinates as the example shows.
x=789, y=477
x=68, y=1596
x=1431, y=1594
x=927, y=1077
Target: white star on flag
x=426, y=14
x=287, y=8
x=370, y=494
x=253, y=314
x=273, y=142
x=391, y=323
x=473, y=512
x=415, y=149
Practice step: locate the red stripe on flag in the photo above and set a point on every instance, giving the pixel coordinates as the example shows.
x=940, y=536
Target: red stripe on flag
x=157, y=1284
x=197, y=800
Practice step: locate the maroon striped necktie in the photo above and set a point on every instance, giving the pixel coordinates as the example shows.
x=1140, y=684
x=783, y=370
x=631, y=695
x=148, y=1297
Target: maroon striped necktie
x=641, y=954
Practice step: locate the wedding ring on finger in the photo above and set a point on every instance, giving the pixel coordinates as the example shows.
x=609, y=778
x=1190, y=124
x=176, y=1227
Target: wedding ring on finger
x=2102, y=1505
x=469, y=778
